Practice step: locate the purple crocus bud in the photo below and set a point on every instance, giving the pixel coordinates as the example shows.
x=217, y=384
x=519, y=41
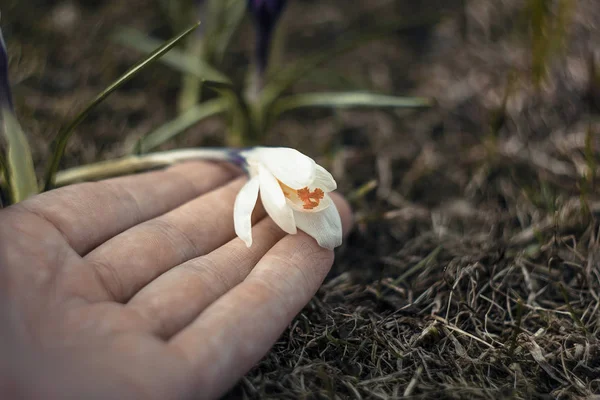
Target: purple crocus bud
x=265, y=13
x=5, y=96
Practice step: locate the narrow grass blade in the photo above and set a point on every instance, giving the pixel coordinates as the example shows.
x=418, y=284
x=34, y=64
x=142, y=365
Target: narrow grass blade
x=17, y=160
x=65, y=134
x=178, y=125
x=176, y=59
x=352, y=39
x=347, y=100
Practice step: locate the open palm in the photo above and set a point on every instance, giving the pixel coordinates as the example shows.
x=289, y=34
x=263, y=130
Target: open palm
x=137, y=287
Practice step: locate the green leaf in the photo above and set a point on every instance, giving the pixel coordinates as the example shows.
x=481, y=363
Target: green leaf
x=176, y=59
x=65, y=134
x=286, y=77
x=225, y=18
x=191, y=84
x=347, y=100
x=17, y=162
x=241, y=130
x=548, y=24
x=178, y=125
x=219, y=86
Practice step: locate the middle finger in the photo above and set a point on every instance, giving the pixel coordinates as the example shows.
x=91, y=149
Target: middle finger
x=132, y=259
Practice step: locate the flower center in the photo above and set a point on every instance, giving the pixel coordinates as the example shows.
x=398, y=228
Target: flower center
x=310, y=199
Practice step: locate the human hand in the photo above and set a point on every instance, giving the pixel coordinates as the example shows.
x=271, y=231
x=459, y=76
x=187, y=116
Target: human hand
x=136, y=287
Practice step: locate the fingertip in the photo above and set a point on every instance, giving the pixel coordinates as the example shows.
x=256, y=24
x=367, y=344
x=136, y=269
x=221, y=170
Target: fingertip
x=345, y=211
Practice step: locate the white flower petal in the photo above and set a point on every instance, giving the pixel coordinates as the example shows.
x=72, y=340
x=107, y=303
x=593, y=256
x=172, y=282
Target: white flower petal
x=324, y=226
x=324, y=180
x=253, y=168
x=290, y=166
x=274, y=201
x=242, y=210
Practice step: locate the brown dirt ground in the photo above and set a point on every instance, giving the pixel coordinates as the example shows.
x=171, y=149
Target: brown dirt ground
x=474, y=267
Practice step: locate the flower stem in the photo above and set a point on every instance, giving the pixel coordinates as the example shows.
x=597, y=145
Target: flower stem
x=137, y=163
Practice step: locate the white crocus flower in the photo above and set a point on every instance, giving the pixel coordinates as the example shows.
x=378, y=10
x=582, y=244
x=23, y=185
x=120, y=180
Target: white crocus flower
x=293, y=190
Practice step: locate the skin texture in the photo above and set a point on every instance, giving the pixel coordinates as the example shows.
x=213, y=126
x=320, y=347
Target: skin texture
x=137, y=288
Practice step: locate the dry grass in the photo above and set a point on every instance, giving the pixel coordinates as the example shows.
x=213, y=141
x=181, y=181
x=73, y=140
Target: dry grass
x=474, y=267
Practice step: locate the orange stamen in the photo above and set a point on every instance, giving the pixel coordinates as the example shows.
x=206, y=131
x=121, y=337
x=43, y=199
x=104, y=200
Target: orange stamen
x=310, y=200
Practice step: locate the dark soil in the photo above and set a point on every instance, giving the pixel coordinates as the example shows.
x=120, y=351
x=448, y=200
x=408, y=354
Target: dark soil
x=474, y=267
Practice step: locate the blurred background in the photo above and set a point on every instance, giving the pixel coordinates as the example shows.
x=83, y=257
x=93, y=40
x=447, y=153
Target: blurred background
x=473, y=269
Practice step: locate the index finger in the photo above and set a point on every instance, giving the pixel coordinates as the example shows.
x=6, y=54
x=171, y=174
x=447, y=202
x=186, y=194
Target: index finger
x=88, y=214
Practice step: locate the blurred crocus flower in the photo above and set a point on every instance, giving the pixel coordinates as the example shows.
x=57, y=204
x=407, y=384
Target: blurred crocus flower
x=294, y=191
x=14, y=149
x=5, y=96
x=265, y=13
